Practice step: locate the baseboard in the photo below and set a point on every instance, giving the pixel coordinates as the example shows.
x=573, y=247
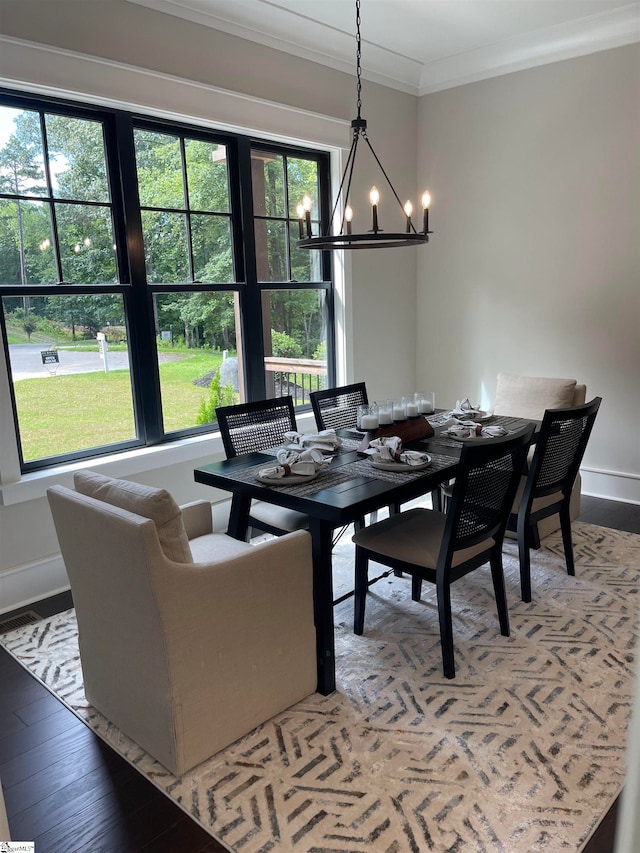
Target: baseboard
x=611, y=485
x=26, y=584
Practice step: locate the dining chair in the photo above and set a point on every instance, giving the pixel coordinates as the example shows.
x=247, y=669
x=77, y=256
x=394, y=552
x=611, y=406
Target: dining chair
x=548, y=486
x=260, y=425
x=255, y=426
x=442, y=548
x=337, y=408
x=529, y=397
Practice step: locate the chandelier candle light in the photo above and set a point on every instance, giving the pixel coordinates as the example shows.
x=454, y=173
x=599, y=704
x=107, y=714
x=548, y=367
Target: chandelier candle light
x=376, y=237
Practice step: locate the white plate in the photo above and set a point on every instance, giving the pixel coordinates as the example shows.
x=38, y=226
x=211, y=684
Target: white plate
x=477, y=418
x=289, y=480
x=467, y=437
x=400, y=466
x=320, y=447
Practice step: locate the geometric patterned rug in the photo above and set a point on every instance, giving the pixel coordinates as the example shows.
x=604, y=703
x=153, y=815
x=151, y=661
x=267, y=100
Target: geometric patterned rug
x=523, y=751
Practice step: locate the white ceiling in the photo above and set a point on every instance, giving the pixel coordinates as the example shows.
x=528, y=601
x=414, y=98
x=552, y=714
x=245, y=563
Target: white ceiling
x=421, y=46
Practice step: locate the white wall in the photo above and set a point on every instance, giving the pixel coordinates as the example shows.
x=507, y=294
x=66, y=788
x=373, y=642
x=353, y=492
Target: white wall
x=116, y=52
x=535, y=264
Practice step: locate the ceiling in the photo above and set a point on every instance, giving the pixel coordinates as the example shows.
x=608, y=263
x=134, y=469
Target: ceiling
x=422, y=46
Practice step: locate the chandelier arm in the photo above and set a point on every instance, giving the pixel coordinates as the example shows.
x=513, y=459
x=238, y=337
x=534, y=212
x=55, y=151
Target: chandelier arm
x=348, y=169
x=366, y=139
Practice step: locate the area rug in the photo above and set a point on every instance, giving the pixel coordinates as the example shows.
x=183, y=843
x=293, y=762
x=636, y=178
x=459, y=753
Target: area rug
x=524, y=751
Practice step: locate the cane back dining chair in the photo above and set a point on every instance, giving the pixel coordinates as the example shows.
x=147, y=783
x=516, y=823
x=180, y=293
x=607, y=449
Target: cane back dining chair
x=529, y=397
x=441, y=549
x=255, y=426
x=337, y=408
x=547, y=488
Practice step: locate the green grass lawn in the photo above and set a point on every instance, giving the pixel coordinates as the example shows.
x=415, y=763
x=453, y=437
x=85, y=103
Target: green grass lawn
x=60, y=414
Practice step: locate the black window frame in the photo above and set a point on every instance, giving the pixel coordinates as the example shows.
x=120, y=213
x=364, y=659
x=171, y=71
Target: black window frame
x=137, y=293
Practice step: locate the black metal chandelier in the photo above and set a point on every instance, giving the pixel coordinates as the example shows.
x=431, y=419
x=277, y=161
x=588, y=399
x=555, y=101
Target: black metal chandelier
x=375, y=238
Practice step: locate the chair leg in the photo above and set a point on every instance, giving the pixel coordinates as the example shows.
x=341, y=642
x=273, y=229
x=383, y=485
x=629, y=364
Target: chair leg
x=360, y=594
x=394, y=509
x=525, y=561
x=446, y=628
x=565, y=526
x=534, y=539
x=416, y=588
x=500, y=591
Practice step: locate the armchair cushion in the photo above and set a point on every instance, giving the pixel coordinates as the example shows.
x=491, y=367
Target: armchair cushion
x=147, y=501
x=529, y=396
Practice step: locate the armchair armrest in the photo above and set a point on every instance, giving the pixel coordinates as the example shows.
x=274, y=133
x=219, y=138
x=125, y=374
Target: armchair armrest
x=197, y=518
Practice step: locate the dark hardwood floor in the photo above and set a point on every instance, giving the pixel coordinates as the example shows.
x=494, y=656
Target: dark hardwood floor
x=66, y=790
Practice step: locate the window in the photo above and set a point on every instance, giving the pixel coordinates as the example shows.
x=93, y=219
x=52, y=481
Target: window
x=148, y=273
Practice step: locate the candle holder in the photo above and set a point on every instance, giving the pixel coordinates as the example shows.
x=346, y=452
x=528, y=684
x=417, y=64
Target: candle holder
x=385, y=412
x=367, y=417
x=399, y=411
x=411, y=407
x=426, y=402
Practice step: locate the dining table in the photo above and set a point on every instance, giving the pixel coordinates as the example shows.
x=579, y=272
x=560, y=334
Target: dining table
x=348, y=489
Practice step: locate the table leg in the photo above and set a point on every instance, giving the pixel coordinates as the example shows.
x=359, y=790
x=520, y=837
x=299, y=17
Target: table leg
x=239, y=517
x=321, y=534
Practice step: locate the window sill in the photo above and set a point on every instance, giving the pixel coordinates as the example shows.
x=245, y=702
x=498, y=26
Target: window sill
x=32, y=486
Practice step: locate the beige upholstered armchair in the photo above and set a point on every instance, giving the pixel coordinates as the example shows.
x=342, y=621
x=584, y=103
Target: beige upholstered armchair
x=188, y=639
x=4, y=823
x=529, y=397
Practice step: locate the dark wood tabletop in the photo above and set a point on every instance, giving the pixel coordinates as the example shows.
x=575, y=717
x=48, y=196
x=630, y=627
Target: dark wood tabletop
x=347, y=490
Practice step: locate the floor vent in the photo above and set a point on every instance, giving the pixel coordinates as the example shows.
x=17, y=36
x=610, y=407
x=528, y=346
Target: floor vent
x=19, y=621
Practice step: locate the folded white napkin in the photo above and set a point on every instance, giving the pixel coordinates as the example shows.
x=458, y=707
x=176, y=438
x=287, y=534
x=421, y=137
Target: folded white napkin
x=389, y=449
x=305, y=462
x=326, y=439
x=464, y=408
x=470, y=429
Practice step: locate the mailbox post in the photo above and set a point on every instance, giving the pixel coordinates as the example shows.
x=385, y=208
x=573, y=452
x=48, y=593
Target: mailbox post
x=103, y=346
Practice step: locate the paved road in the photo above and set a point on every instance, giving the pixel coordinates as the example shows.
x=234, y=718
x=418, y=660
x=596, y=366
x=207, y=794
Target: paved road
x=26, y=361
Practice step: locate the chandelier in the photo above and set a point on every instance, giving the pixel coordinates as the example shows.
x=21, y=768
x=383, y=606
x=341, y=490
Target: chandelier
x=375, y=237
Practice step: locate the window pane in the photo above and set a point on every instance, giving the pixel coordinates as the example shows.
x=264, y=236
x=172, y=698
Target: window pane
x=159, y=165
x=207, y=176
x=77, y=159
x=296, y=349
x=196, y=340
x=82, y=400
x=165, y=246
x=267, y=175
x=87, y=247
x=271, y=250
x=302, y=176
x=305, y=263
x=212, y=256
x=21, y=153
x=26, y=243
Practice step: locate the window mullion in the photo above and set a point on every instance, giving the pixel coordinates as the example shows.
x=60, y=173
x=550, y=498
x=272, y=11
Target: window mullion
x=142, y=343
x=252, y=337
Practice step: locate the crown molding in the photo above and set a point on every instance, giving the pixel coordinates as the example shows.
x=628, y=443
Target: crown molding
x=586, y=35
x=564, y=41
x=379, y=65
